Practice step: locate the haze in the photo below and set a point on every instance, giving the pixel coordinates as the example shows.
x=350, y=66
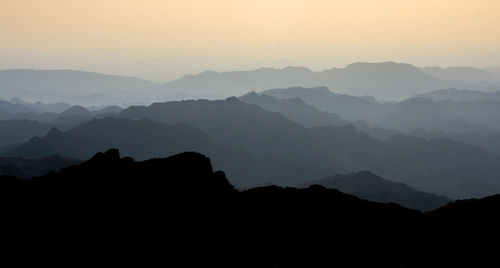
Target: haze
x=162, y=40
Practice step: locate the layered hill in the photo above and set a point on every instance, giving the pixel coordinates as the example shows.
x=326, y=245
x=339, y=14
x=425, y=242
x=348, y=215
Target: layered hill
x=369, y=186
x=181, y=201
x=30, y=167
x=144, y=139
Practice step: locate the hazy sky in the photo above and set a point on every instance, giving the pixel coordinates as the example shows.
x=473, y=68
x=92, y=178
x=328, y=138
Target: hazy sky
x=160, y=39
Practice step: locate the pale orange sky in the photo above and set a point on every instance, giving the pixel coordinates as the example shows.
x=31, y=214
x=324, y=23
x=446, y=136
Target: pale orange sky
x=225, y=34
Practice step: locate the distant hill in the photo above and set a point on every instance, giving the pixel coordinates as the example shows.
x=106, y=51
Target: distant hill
x=181, y=201
x=404, y=116
x=369, y=186
x=347, y=107
x=68, y=117
x=416, y=113
x=40, y=107
x=460, y=95
x=240, y=126
x=466, y=74
x=387, y=80
x=295, y=109
x=243, y=127
x=488, y=142
x=16, y=131
x=145, y=139
x=245, y=140
x=28, y=168
x=50, y=85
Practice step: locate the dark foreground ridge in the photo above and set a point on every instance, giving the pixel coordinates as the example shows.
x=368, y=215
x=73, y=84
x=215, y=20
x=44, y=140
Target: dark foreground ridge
x=178, y=209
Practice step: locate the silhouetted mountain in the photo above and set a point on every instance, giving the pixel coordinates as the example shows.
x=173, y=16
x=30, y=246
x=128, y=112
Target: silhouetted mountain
x=240, y=126
x=439, y=166
x=16, y=131
x=28, y=168
x=369, y=186
x=145, y=139
x=460, y=95
x=251, y=139
x=127, y=206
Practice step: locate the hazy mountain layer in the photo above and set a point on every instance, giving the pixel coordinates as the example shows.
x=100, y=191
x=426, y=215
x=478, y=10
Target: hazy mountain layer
x=405, y=116
x=460, y=95
x=145, y=139
x=371, y=187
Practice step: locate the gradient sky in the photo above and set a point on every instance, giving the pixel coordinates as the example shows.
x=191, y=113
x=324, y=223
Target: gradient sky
x=163, y=38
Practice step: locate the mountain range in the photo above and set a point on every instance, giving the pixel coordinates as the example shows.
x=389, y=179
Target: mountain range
x=243, y=138
x=385, y=81
x=144, y=139
x=369, y=186
x=193, y=210
x=404, y=116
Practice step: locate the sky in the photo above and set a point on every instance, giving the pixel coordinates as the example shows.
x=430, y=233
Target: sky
x=163, y=39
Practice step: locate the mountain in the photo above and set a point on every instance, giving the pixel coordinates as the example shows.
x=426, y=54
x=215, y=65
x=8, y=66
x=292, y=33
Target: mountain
x=7, y=108
x=75, y=110
x=415, y=113
x=235, y=83
x=240, y=126
x=244, y=140
x=441, y=166
x=145, y=139
x=404, y=116
x=488, y=142
x=16, y=131
x=478, y=112
x=347, y=107
x=307, y=115
x=386, y=80
x=66, y=119
x=28, y=168
x=460, y=95
x=466, y=74
x=369, y=186
x=127, y=205
x=68, y=85
x=335, y=149
x=40, y=107
x=295, y=109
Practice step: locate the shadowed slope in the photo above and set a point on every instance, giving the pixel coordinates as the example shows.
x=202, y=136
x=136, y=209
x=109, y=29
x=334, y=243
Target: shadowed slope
x=367, y=185
x=171, y=209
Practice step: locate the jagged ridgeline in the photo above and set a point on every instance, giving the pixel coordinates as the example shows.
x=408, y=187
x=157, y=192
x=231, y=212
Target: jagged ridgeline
x=179, y=209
